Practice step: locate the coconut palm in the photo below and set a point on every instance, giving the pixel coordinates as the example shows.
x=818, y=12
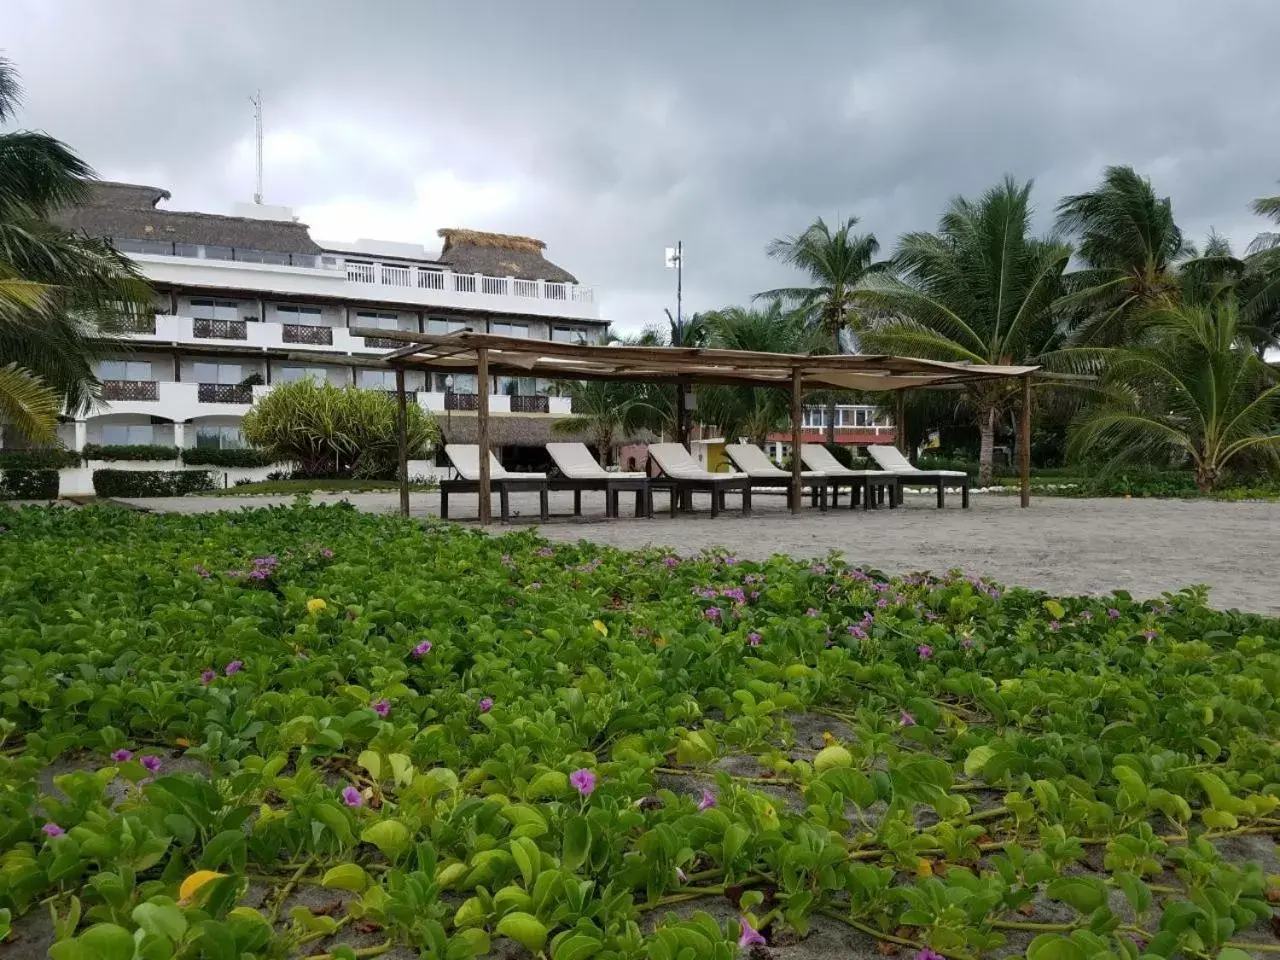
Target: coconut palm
x=1191, y=389
x=61, y=294
x=1130, y=246
x=836, y=262
x=980, y=290
x=607, y=412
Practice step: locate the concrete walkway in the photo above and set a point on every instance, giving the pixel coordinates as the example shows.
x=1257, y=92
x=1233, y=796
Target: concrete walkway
x=1146, y=547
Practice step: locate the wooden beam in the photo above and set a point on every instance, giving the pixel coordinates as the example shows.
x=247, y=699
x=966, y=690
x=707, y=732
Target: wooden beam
x=1024, y=442
x=901, y=417
x=482, y=434
x=402, y=440
x=797, y=425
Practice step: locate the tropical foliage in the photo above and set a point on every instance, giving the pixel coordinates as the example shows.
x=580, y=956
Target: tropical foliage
x=608, y=412
x=325, y=430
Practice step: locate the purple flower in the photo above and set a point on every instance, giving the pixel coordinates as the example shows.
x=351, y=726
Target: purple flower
x=1054, y=626
x=207, y=677
x=931, y=617
x=670, y=562
x=506, y=559
x=749, y=935
x=546, y=552
x=857, y=631
x=486, y=704
x=1113, y=613
x=326, y=553
x=1087, y=615
x=708, y=800
x=817, y=568
x=812, y=612
x=925, y=651
x=882, y=602
x=536, y=585
x=150, y=763
x=584, y=781
x=879, y=587
x=382, y=707
x=52, y=830
x=927, y=954
x=754, y=639
x=868, y=618
x=1149, y=635
x=122, y=756
x=201, y=570
x=906, y=720
x=422, y=649
x=711, y=613
x=351, y=796
x=235, y=666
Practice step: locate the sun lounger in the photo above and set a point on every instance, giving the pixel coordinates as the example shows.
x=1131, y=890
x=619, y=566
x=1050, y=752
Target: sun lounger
x=869, y=486
x=680, y=473
x=892, y=461
x=465, y=458
x=582, y=472
x=762, y=472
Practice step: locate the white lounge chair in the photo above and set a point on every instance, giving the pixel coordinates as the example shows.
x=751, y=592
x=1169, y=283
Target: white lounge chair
x=582, y=472
x=681, y=473
x=892, y=460
x=755, y=463
x=465, y=458
x=864, y=484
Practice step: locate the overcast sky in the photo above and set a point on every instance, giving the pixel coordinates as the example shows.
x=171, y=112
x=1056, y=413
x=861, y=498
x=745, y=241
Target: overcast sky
x=612, y=128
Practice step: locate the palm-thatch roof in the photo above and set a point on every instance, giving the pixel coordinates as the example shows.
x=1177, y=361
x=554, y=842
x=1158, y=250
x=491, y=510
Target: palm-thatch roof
x=499, y=255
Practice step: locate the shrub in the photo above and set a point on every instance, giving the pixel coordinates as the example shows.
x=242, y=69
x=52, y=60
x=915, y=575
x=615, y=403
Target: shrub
x=248, y=457
x=129, y=451
x=329, y=430
x=151, y=483
x=38, y=459
x=28, y=484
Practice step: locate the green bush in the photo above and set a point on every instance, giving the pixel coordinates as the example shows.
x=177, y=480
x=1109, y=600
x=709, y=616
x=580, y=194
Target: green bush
x=38, y=459
x=129, y=451
x=151, y=483
x=248, y=457
x=28, y=484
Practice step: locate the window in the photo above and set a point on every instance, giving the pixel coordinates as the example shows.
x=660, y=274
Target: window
x=125, y=370
x=815, y=417
x=379, y=380
x=382, y=321
x=218, y=438
x=462, y=383
x=118, y=434
x=509, y=329
x=293, y=374
x=517, y=386
x=217, y=372
x=215, y=309
x=310, y=316
x=438, y=326
x=569, y=335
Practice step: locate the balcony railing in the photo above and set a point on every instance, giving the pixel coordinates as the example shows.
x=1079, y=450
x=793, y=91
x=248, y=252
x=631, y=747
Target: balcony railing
x=224, y=393
x=307, y=333
x=130, y=390
x=209, y=251
x=135, y=323
x=530, y=404
x=206, y=329
x=382, y=343
x=461, y=401
x=433, y=278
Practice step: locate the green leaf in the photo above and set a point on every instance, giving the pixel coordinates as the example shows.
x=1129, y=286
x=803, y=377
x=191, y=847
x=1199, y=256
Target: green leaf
x=345, y=876
x=977, y=759
x=832, y=757
x=1054, y=946
x=401, y=769
x=227, y=847
x=577, y=843
x=1233, y=953
x=576, y=946
x=528, y=858
x=102, y=941
x=436, y=781
x=371, y=762
x=525, y=929
x=390, y=836
x=161, y=920
x=734, y=837
x=336, y=820
x=547, y=785
x=1054, y=609
x=1085, y=894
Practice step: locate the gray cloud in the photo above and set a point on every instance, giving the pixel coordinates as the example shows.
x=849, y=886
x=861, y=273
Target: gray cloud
x=611, y=130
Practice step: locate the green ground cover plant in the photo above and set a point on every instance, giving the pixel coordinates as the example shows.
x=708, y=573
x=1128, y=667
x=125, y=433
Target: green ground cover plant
x=456, y=744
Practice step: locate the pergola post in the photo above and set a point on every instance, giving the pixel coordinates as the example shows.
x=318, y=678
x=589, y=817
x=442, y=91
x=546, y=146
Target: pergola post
x=1024, y=441
x=900, y=418
x=402, y=441
x=797, y=422
x=482, y=434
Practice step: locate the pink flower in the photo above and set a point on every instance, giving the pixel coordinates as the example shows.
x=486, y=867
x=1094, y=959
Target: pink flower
x=150, y=763
x=351, y=796
x=122, y=756
x=670, y=562
x=52, y=830
x=422, y=649
x=712, y=613
x=754, y=639
x=749, y=935
x=1054, y=626
x=546, y=552
x=486, y=704
x=927, y=954
x=200, y=569
x=882, y=602
x=207, y=677
x=536, y=585
x=584, y=781
x=812, y=612
x=708, y=800
x=925, y=651
x=1149, y=635
x=1086, y=615
x=235, y=666
x=382, y=707
x=857, y=631
x=1113, y=613
x=907, y=720
x=967, y=642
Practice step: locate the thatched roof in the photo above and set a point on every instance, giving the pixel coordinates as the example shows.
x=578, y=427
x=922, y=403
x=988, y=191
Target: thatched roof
x=507, y=431
x=499, y=255
x=128, y=211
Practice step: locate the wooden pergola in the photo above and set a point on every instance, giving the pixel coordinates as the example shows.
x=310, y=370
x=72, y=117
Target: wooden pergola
x=486, y=355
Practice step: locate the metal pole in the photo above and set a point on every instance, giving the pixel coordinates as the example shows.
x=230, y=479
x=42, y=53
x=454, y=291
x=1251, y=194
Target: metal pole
x=482, y=434
x=797, y=418
x=402, y=440
x=680, y=292
x=1024, y=441
x=902, y=423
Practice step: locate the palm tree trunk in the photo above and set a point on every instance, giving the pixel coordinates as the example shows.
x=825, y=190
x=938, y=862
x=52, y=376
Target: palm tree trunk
x=831, y=421
x=986, y=446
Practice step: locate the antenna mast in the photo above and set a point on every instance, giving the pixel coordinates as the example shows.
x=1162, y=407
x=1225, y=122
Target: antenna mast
x=257, y=124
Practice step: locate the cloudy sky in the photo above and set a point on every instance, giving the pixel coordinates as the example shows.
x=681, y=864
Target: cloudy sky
x=612, y=128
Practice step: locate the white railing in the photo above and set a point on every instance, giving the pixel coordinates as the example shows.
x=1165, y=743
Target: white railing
x=524, y=288
x=493, y=286
x=431, y=279
x=360, y=273
x=555, y=291
x=464, y=282
x=427, y=278
x=396, y=276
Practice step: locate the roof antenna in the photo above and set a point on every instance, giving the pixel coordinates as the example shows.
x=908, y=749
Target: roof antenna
x=257, y=124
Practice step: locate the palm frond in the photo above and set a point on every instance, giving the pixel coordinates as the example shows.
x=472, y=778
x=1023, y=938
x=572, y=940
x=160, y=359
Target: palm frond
x=28, y=405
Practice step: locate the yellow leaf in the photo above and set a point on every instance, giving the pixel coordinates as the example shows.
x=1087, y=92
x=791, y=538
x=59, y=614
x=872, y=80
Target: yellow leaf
x=191, y=886
x=183, y=742
x=827, y=738
x=599, y=625
x=316, y=605
x=924, y=868
x=659, y=642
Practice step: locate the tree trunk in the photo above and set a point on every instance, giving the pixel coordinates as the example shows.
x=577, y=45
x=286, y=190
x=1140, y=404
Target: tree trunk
x=986, y=448
x=1207, y=476
x=831, y=421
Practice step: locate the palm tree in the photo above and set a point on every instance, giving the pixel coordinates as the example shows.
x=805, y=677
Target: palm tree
x=1130, y=246
x=1190, y=389
x=837, y=263
x=980, y=290
x=607, y=411
x=61, y=294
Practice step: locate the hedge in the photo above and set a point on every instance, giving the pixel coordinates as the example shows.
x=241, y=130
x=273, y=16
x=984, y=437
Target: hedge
x=151, y=483
x=28, y=484
x=132, y=451
x=38, y=459
x=212, y=457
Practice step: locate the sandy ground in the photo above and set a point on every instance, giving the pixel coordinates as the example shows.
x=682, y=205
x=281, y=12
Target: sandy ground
x=1145, y=547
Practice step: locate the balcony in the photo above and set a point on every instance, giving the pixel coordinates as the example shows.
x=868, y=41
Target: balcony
x=205, y=329
x=530, y=404
x=130, y=390
x=306, y=333
x=461, y=401
x=382, y=343
x=224, y=393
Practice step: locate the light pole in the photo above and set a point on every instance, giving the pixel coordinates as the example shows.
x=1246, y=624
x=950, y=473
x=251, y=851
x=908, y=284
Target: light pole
x=675, y=260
